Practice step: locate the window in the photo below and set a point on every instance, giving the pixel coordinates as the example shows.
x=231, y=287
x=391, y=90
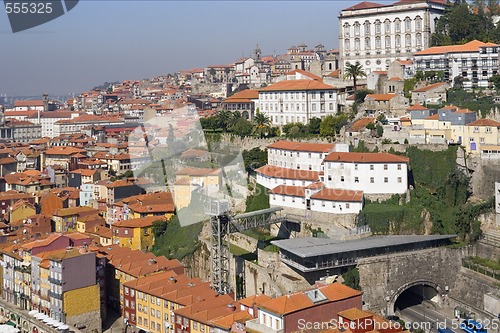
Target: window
x=139, y=307
x=158, y=327
x=347, y=205
x=418, y=23
x=357, y=44
x=397, y=24
x=476, y=129
x=341, y=178
x=407, y=24
x=408, y=40
x=153, y=312
x=356, y=179
x=372, y=180
x=195, y=325
x=145, y=309
x=153, y=325
x=367, y=43
x=158, y=314
x=419, y=40
x=387, y=25
x=371, y=167
x=398, y=41
x=355, y=166
x=126, y=232
x=399, y=166
x=386, y=179
x=400, y=180
x=322, y=203
x=132, y=305
x=367, y=28
x=481, y=140
x=126, y=291
x=378, y=27
x=140, y=320
x=145, y=322
x=378, y=43
x=356, y=28
x=488, y=129
x=152, y=299
x=387, y=42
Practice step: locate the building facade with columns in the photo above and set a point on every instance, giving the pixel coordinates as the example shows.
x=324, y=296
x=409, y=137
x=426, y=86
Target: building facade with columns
x=375, y=34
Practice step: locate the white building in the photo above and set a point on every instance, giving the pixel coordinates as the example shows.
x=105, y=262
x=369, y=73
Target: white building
x=293, y=101
x=298, y=155
x=375, y=35
x=373, y=173
x=271, y=176
x=317, y=198
x=475, y=62
x=49, y=118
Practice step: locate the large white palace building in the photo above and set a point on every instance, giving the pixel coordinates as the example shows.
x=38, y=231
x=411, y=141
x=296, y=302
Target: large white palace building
x=375, y=34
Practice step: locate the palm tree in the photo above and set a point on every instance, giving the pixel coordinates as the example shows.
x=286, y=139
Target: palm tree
x=223, y=118
x=353, y=72
x=235, y=116
x=261, y=124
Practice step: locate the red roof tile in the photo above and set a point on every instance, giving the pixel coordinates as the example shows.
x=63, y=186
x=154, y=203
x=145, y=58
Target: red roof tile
x=365, y=158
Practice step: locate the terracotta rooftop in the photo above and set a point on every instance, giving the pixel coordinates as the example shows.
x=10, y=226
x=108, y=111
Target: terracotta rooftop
x=361, y=123
x=485, y=122
x=365, y=158
x=299, y=85
x=473, y=46
x=430, y=87
x=293, y=191
x=278, y=172
x=304, y=73
x=302, y=146
x=417, y=107
x=354, y=314
x=331, y=194
x=380, y=97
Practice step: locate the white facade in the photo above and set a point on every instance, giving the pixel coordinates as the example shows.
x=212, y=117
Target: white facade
x=336, y=207
x=376, y=177
x=375, y=36
x=271, y=182
x=300, y=160
x=297, y=101
x=475, y=62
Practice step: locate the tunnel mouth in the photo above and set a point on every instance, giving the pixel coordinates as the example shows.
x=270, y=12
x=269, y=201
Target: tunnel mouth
x=416, y=295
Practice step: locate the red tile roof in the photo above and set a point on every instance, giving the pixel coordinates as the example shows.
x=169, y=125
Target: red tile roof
x=429, y=87
x=278, y=172
x=364, y=5
x=302, y=146
x=360, y=124
x=365, y=158
x=299, y=85
x=472, y=46
x=292, y=191
x=304, y=73
x=332, y=194
x=485, y=122
x=417, y=107
x=380, y=97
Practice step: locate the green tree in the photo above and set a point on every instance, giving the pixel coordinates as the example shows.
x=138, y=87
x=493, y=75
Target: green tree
x=313, y=126
x=254, y=158
x=242, y=127
x=359, y=96
x=223, y=119
x=331, y=125
x=495, y=79
x=159, y=228
x=351, y=278
x=380, y=130
x=261, y=125
x=353, y=71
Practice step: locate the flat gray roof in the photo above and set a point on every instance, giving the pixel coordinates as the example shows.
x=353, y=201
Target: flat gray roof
x=311, y=246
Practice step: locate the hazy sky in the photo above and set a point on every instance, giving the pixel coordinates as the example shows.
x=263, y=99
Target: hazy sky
x=102, y=41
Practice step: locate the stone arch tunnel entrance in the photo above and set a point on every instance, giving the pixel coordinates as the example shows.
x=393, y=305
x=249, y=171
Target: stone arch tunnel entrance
x=414, y=294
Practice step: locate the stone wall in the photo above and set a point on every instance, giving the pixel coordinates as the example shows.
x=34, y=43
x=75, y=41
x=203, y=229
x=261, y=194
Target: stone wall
x=484, y=175
x=487, y=251
x=91, y=320
x=384, y=278
x=475, y=296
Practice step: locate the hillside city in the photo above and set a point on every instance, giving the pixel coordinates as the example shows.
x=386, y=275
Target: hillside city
x=351, y=190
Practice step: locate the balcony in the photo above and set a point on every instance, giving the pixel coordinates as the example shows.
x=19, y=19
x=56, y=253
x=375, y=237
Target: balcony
x=54, y=295
x=254, y=325
x=55, y=281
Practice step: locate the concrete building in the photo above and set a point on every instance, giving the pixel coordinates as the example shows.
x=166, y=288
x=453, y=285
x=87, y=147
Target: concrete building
x=430, y=94
x=474, y=62
x=244, y=102
x=298, y=155
x=375, y=34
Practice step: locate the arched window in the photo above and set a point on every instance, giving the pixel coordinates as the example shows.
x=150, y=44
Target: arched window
x=367, y=25
x=397, y=25
x=356, y=28
x=408, y=40
x=356, y=44
x=387, y=42
x=378, y=27
x=347, y=28
x=419, y=40
x=407, y=24
x=367, y=43
x=347, y=44
x=418, y=23
x=387, y=24
x=378, y=42
x=398, y=41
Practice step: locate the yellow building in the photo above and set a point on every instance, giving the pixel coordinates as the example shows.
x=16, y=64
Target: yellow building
x=150, y=302
x=189, y=179
x=82, y=301
x=136, y=234
x=482, y=132
x=20, y=211
x=151, y=204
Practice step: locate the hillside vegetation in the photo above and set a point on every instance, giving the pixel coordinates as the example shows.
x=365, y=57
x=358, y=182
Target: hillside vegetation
x=439, y=197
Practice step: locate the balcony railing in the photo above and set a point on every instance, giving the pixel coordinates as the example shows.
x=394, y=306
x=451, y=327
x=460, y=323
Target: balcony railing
x=55, y=281
x=55, y=295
